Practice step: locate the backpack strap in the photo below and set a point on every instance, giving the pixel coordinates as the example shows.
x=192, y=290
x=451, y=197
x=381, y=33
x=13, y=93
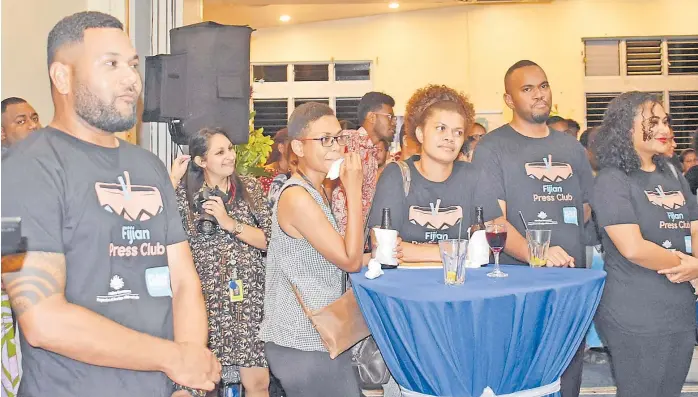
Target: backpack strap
x=406, y=176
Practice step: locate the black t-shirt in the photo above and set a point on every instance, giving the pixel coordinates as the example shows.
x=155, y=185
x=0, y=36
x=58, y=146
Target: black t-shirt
x=112, y=212
x=547, y=179
x=432, y=211
x=637, y=299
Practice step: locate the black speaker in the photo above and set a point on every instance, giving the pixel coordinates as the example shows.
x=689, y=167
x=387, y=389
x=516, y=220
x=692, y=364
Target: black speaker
x=205, y=82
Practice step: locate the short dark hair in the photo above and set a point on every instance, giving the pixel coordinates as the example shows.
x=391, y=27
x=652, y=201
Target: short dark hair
x=686, y=152
x=518, y=65
x=555, y=119
x=584, y=138
x=71, y=30
x=305, y=114
x=371, y=102
x=13, y=100
x=573, y=124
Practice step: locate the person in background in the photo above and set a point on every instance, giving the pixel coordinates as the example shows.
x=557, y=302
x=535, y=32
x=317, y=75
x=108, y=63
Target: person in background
x=466, y=151
x=573, y=128
x=277, y=162
x=230, y=256
x=688, y=160
x=587, y=141
x=307, y=252
x=692, y=173
x=377, y=121
x=108, y=300
x=439, y=117
x=557, y=123
x=347, y=125
x=280, y=180
x=19, y=119
x=408, y=145
x=477, y=131
x=647, y=314
x=382, y=155
x=521, y=158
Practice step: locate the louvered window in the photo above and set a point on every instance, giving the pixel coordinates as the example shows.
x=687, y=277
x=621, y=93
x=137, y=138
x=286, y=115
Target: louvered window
x=317, y=72
x=683, y=106
x=352, y=71
x=348, y=109
x=270, y=73
x=299, y=101
x=270, y=114
x=596, y=105
x=602, y=58
x=683, y=56
x=643, y=57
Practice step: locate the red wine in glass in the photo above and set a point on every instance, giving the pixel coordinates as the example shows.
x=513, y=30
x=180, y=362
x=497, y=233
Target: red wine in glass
x=496, y=240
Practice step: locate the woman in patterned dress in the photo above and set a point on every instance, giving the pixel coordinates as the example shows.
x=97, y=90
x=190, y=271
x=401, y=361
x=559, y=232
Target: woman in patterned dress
x=228, y=258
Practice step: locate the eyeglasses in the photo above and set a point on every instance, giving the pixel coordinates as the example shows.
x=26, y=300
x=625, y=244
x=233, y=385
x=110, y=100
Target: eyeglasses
x=328, y=141
x=391, y=117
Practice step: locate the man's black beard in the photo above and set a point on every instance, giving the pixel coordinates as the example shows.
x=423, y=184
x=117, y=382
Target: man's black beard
x=105, y=117
x=540, y=118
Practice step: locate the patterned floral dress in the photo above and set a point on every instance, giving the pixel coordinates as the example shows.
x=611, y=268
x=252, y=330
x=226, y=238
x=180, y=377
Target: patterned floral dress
x=220, y=258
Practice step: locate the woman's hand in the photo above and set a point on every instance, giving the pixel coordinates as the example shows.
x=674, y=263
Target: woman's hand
x=686, y=271
x=351, y=174
x=214, y=206
x=179, y=168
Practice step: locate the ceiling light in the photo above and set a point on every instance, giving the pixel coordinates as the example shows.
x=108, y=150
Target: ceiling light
x=284, y=18
x=394, y=5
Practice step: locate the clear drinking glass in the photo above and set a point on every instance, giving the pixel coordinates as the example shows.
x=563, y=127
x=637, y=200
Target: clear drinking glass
x=453, y=254
x=538, y=244
x=496, y=237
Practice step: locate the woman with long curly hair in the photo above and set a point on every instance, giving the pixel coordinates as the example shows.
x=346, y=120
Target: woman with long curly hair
x=443, y=192
x=648, y=216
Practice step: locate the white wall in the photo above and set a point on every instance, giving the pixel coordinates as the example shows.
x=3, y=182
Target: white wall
x=470, y=47
x=25, y=27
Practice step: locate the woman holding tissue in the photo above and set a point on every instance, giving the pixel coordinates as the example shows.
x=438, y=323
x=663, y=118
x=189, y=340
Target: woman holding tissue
x=443, y=192
x=227, y=252
x=647, y=314
x=307, y=252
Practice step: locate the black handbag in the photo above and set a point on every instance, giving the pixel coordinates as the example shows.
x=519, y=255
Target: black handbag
x=367, y=361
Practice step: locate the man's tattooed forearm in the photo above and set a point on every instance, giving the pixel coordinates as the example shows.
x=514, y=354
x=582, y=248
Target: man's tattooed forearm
x=41, y=276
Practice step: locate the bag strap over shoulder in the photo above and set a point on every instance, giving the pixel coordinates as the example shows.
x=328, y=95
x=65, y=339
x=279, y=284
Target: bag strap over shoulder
x=406, y=176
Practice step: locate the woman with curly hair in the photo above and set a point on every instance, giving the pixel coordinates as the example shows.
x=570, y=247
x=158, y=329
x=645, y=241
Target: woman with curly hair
x=443, y=192
x=648, y=216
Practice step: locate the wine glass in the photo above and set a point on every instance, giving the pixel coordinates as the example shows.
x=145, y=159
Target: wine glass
x=496, y=238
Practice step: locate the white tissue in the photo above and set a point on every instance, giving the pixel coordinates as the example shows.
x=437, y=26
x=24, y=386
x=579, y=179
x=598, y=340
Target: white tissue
x=333, y=173
x=374, y=269
x=385, y=251
x=478, y=250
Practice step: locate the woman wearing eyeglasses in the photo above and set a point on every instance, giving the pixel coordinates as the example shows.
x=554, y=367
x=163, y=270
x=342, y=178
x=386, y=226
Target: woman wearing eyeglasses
x=306, y=251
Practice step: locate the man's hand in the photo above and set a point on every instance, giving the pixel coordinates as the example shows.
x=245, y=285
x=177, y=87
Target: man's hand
x=557, y=257
x=196, y=367
x=686, y=271
x=181, y=393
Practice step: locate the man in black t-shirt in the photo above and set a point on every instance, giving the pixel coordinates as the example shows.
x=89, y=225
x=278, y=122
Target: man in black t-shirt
x=108, y=299
x=545, y=175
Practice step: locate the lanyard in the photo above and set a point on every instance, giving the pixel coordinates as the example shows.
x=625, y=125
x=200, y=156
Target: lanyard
x=329, y=203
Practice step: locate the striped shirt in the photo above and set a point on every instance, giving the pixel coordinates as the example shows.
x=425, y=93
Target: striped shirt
x=318, y=280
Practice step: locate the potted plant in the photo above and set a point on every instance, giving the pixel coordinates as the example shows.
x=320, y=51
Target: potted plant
x=252, y=155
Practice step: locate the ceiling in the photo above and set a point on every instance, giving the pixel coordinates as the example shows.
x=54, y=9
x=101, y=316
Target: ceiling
x=265, y=13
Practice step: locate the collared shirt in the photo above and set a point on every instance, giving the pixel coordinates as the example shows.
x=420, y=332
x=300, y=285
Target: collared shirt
x=359, y=142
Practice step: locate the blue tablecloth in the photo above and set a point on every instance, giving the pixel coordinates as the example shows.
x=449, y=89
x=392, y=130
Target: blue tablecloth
x=509, y=334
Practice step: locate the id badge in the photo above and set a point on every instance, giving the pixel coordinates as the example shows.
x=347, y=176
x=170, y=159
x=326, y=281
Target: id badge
x=236, y=290
x=569, y=215
x=689, y=245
